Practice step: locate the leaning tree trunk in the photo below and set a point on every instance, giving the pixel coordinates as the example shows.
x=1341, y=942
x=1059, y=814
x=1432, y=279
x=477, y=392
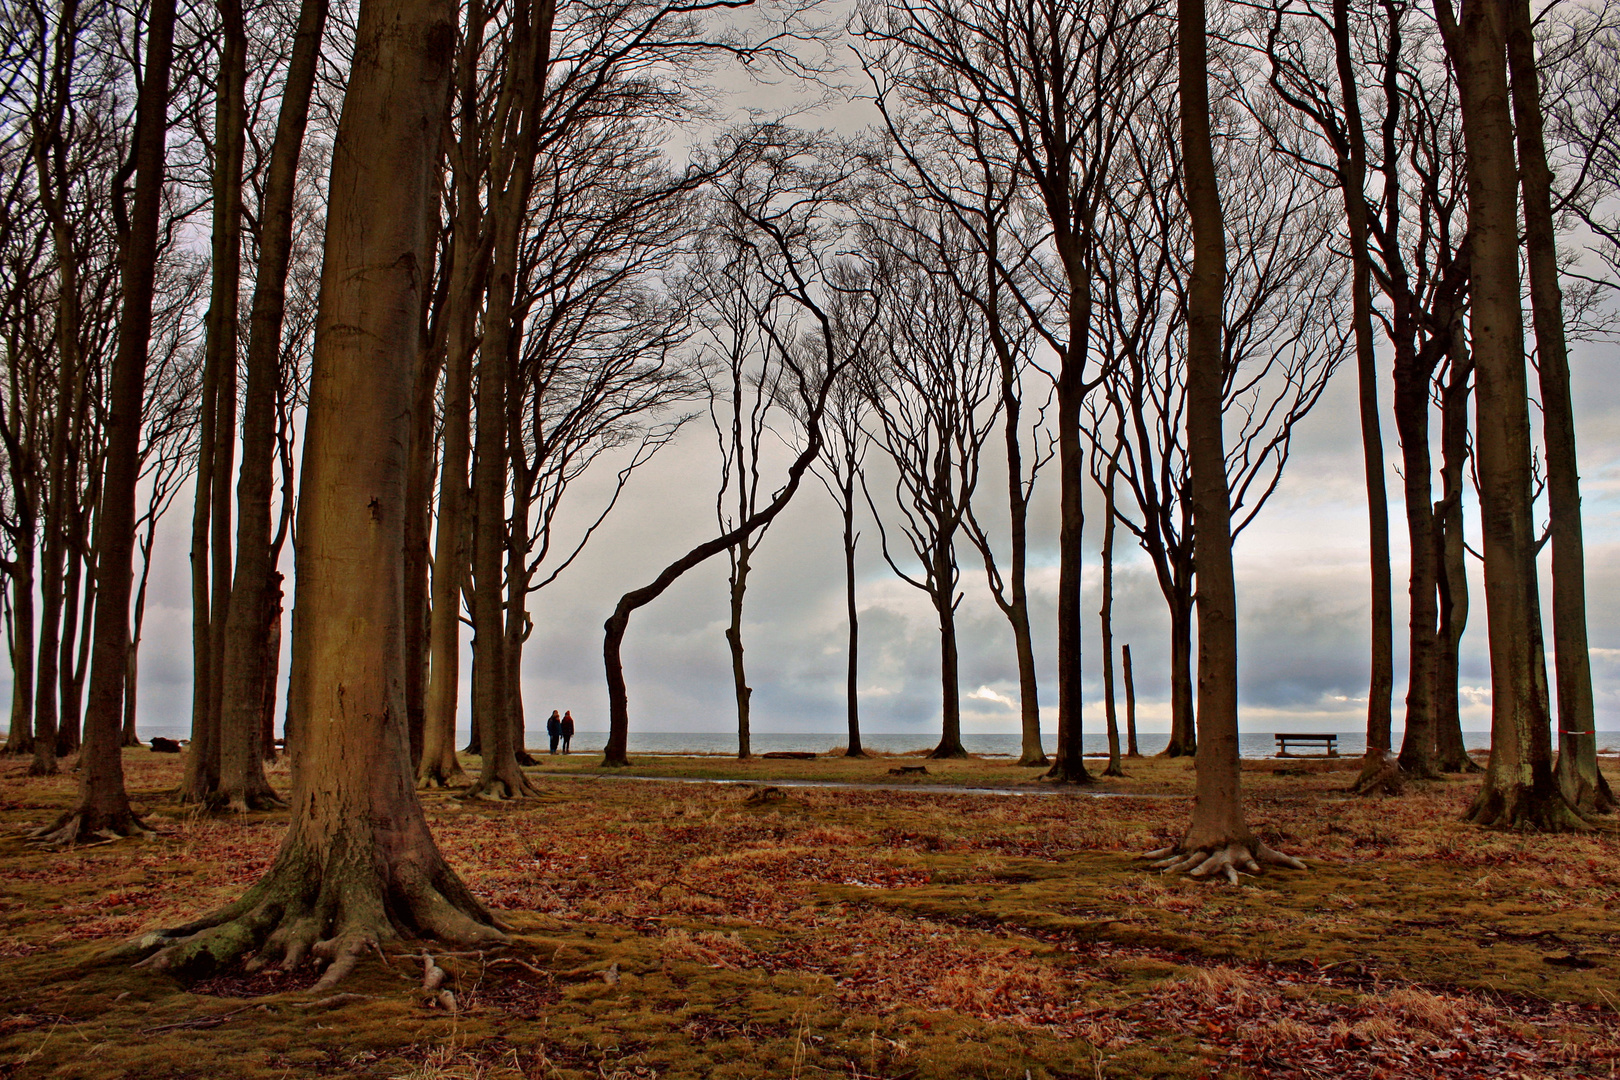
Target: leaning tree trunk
x=358, y=865
x=1107, y=618
x=1579, y=777
x=1450, y=753
x=1218, y=839
x=243, y=749
x=137, y=621
x=1519, y=789
x=102, y=809
x=1031, y=753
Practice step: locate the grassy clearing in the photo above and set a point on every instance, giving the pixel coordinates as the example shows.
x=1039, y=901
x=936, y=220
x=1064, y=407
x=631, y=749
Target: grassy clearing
x=675, y=930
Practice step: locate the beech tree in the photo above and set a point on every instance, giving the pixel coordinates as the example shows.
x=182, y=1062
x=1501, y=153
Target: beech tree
x=358, y=865
x=934, y=390
x=1218, y=839
x=1519, y=790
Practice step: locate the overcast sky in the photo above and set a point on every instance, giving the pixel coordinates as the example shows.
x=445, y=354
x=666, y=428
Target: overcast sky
x=1301, y=575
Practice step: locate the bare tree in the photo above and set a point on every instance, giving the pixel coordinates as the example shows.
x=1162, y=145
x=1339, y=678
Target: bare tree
x=934, y=393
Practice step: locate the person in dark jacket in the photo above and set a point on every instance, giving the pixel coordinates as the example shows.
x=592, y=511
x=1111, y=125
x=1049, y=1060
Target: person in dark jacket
x=567, y=730
x=554, y=730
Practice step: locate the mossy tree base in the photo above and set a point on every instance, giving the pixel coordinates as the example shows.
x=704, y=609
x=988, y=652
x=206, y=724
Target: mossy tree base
x=1223, y=858
x=330, y=911
x=1524, y=808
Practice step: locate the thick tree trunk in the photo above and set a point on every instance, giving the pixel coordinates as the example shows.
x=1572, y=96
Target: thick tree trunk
x=1107, y=618
x=853, y=747
x=102, y=809
x=1218, y=840
x=1579, y=777
x=132, y=664
x=950, y=739
x=1130, y=702
x=254, y=602
x=1519, y=789
x=358, y=865
x=1031, y=752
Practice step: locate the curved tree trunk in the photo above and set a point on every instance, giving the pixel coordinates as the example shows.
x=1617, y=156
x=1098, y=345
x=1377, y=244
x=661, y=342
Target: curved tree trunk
x=358, y=865
x=1579, y=777
x=739, y=676
x=1412, y=421
x=1449, y=751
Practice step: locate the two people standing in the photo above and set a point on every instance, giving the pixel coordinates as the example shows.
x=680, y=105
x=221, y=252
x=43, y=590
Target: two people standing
x=560, y=730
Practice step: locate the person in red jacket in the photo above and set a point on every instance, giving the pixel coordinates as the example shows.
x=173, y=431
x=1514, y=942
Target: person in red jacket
x=567, y=730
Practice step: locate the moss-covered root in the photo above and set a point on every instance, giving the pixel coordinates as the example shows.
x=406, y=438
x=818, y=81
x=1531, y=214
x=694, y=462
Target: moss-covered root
x=333, y=922
x=81, y=826
x=1245, y=855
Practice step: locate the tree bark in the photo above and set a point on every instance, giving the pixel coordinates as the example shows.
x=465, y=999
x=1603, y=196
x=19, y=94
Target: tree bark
x=739, y=676
x=944, y=578
x=1519, y=789
x=67, y=722
x=1218, y=839
x=1183, y=714
x=102, y=809
x=853, y=748
x=1130, y=703
x=1107, y=618
x=1579, y=777
x=1353, y=186
x=20, y=735
x=358, y=865
x=1450, y=753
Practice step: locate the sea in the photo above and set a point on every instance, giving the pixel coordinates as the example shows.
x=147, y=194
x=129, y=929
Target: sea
x=1251, y=744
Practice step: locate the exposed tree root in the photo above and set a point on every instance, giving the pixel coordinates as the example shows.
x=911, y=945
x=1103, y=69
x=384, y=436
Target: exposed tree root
x=83, y=827
x=437, y=779
x=1247, y=856
x=1040, y=761
x=242, y=802
x=611, y=761
x=504, y=784
x=944, y=752
x=856, y=754
x=1380, y=775
x=1525, y=809
x=37, y=769
x=332, y=916
x=1114, y=770
x=1588, y=798
x=1069, y=774
x=1465, y=765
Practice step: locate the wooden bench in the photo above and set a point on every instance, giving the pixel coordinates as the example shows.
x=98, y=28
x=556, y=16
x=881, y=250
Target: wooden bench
x=1327, y=742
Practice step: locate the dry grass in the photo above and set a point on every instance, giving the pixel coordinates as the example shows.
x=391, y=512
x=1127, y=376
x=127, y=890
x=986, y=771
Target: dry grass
x=858, y=933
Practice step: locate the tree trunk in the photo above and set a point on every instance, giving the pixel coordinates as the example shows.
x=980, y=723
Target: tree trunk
x=853, y=749
x=439, y=766
x=1069, y=765
x=1031, y=752
x=1107, y=617
x=1579, y=777
x=20, y=736
x=254, y=605
x=1130, y=703
x=358, y=865
x=1412, y=421
x=739, y=677
x=1519, y=789
x=1451, y=755
x=102, y=809
x=1218, y=840
x=950, y=739
x=1183, y=717
x=1353, y=187
x=137, y=621
x=67, y=723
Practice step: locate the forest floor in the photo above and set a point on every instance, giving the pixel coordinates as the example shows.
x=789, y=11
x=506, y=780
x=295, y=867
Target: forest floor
x=705, y=930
